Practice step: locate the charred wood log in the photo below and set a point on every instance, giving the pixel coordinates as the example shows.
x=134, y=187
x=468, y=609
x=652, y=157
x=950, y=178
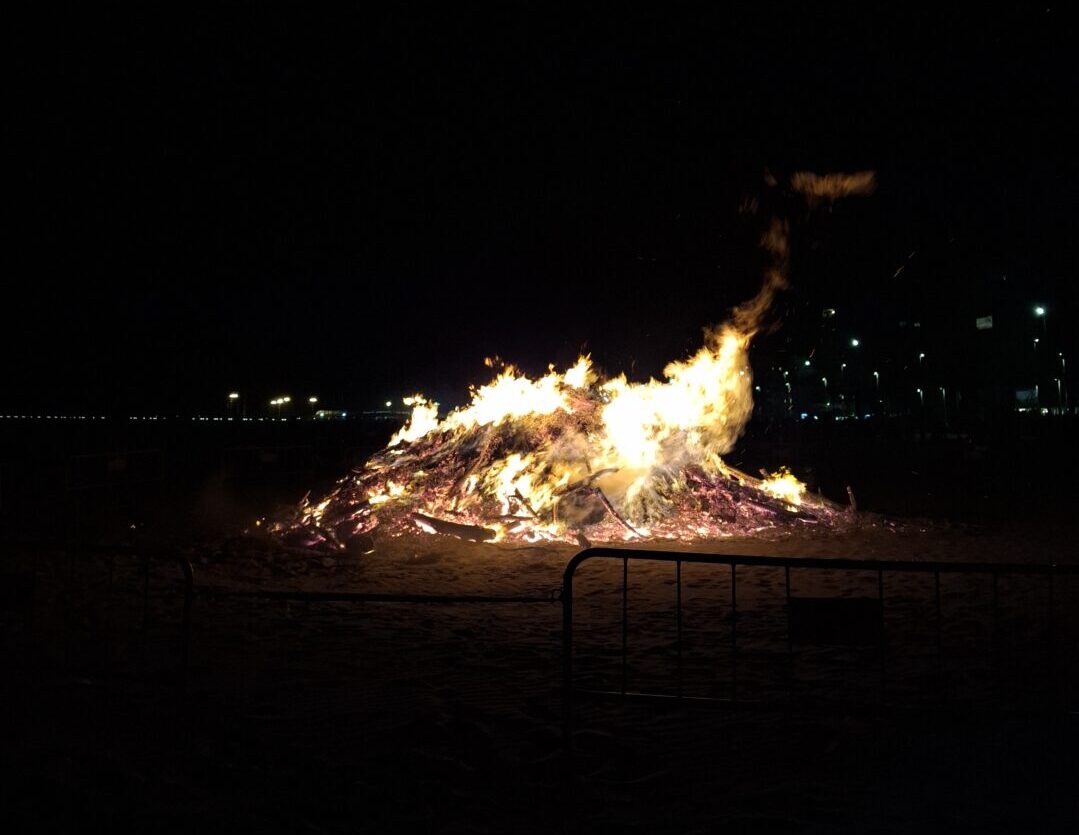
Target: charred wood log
x=587, y=481
x=473, y=533
x=610, y=509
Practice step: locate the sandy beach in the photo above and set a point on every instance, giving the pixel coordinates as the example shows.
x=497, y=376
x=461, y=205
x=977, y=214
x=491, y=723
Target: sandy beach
x=320, y=716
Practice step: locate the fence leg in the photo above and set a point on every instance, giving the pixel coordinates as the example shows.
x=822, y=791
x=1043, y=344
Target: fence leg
x=185, y=636
x=994, y=641
x=790, y=635
x=1050, y=654
x=880, y=634
x=678, y=585
x=567, y=661
x=939, y=629
x=625, y=617
x=734, y=632
x=145, y=592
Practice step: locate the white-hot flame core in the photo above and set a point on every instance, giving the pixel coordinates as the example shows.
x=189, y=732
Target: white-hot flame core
x=507, y=397
x=424, y=419
x=691, y=418
x=710, y=397
x=783, y=485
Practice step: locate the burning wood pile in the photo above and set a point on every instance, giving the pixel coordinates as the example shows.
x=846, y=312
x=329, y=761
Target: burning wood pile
x=572, y=456
x=569, y=457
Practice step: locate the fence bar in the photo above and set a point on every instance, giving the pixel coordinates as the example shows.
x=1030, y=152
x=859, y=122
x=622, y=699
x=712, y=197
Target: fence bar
x=145, y=591
x=625, y=616
x=937, y=568
x=678, y=586
x=185, y=638
x=734, y=632
x=1051, y=639
x=845, y=563
x=994, y=643
x=567, y=659
x=880, y=632
x=939, y=629
x=787, y=584
x=936, y=597
x=369, y=597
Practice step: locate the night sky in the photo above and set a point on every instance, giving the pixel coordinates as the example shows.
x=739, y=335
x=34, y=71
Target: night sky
x=361, y=209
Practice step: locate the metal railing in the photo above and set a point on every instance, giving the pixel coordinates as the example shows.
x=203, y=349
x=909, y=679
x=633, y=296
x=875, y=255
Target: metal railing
x=369, y=597
x=880, y=567
x=1051, y=573
x=145, y=553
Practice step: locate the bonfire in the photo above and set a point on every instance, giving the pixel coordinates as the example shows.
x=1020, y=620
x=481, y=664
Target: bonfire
x=575, y=457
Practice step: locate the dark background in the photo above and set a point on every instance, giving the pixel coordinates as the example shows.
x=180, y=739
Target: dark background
x=271, y=204
x=256, y=202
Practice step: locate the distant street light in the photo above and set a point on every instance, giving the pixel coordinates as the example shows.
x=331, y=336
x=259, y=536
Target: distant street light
x=389, y=403
x=234, y=396
x=278, y=402
x=854, y=343
x=312, y=400
x=1042, y=314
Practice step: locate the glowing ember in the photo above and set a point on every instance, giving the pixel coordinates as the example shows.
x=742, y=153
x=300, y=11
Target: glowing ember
x=572, y=456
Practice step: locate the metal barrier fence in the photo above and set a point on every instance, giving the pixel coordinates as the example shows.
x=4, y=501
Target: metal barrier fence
x=880, y=567
x=794, y=610
x=72, y=552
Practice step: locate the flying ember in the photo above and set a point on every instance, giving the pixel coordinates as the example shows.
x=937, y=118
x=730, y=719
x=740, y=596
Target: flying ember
x=572, y=456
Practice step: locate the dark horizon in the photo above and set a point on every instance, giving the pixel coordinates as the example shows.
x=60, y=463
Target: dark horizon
x=240, y=204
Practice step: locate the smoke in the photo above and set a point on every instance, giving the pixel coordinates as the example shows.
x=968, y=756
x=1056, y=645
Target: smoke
x=748, y=316
x=818, y=188
x=815, y=189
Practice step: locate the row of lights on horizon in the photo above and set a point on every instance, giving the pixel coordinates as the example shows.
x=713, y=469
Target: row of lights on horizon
x=278, y=403
x=1040, y=311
